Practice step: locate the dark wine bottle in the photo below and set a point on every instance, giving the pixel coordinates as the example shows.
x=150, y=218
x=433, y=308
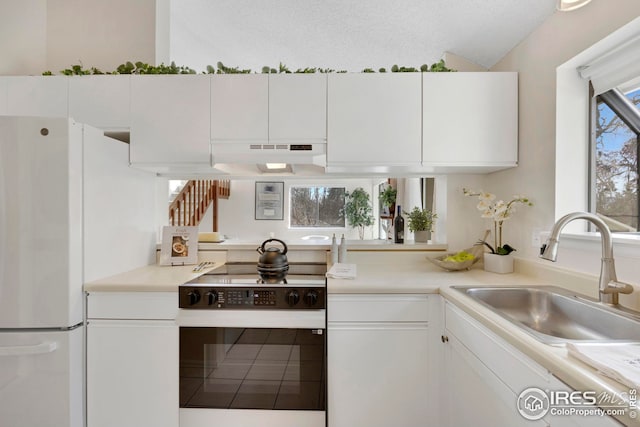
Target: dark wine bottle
x=398, y=227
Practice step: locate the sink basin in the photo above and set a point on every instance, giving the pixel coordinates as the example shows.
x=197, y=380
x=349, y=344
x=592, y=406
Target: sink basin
x=555, y=316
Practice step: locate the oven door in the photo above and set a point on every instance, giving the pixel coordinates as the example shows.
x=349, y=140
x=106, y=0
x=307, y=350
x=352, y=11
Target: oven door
x=241, y=367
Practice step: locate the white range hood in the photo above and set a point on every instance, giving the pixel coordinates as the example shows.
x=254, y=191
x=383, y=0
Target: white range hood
x=260, y=158
x=262, y=153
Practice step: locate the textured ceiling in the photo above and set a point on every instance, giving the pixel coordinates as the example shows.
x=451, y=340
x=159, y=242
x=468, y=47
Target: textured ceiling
x=348, y=34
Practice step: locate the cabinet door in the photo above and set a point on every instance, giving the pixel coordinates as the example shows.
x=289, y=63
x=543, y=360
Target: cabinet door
x=298, y=107
x=170, y=120
x=45, y=96
x=470, y=119
x=132, y=373
x=377, y=374
x=101, y=101
x=240, y=107
x=374, y=119
x=475, y=396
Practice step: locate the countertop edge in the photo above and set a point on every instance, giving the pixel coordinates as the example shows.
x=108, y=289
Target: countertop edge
x=556, y=360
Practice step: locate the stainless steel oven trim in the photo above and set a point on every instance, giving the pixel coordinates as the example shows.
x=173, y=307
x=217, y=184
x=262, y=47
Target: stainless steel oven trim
x=287, y=319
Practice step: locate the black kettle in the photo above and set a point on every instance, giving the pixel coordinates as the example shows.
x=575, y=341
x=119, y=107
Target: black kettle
x=273, y=261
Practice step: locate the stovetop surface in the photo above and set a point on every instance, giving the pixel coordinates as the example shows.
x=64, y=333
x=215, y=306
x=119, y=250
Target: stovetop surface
x=246, y=274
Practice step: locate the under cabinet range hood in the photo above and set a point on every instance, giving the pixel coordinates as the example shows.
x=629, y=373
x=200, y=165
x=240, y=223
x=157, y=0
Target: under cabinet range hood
x=246, y=157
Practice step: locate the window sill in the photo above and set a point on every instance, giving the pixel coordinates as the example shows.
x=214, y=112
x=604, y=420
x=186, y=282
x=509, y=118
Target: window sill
x=626, y=245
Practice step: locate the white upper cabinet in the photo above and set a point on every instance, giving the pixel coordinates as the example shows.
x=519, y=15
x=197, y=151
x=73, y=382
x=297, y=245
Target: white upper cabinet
x=240, y=107
x=470, y=121
x=374, y=119
x=298, y=107
x=102, y=101
x=170, y=121
x=37, y=96
x=268, y=107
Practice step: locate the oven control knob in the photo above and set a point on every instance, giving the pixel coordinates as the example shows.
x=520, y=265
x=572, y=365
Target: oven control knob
x=194, y=297
x=311, y=298
x=212, y=296
x=293, y=297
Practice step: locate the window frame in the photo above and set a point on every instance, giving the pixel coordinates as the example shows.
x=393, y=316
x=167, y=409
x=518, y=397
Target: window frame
x=632, y=120
x=311, y=227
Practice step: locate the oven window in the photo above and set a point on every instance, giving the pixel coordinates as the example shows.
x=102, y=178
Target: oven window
x=248, y=368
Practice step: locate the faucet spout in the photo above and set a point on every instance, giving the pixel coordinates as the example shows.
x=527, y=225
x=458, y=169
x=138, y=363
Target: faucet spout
x=609, y=286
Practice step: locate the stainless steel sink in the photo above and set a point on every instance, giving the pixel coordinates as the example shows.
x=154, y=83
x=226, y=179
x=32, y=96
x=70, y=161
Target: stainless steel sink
x=555, y=316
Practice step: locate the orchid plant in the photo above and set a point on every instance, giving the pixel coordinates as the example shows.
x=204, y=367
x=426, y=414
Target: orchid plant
x=499, y=211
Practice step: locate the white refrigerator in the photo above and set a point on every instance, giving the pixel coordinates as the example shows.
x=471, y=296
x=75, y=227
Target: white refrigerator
x=41, y=301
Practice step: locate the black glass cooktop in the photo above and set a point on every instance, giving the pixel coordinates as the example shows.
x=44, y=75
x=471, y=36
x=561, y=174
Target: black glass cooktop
x=245, y=273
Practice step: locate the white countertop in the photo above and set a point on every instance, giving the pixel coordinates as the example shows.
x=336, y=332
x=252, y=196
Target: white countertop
x=409, y=272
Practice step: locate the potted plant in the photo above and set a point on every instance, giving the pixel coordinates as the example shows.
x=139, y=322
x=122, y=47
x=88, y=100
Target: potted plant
x=497, y=260
x=420, y=222
x=388, y=199
x=358, y=210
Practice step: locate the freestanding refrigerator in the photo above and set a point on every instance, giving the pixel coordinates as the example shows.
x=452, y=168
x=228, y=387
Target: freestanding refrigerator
x=41, y=304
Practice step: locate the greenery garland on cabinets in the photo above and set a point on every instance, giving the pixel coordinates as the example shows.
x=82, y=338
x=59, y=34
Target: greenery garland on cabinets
x=144, y=68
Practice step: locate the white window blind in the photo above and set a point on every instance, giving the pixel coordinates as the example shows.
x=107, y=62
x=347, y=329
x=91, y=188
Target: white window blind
x=614, y=68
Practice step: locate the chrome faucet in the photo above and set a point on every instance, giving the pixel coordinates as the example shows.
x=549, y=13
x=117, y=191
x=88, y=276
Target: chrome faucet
x=608, y=286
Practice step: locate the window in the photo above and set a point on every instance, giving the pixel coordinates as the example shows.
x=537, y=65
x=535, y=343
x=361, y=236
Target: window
x=317, y=207
x=615, y=173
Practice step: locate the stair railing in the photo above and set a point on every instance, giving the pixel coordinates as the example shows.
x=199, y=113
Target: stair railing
x=190, y=205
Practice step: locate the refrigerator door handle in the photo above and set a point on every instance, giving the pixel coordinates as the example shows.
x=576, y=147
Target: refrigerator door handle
x=24, y=350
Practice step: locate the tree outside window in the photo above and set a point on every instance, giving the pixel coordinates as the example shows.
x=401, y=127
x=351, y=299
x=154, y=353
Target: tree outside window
x=616, y=167
x=317, y=207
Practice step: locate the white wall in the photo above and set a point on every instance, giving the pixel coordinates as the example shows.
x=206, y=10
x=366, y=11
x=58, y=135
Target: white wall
x=237, y=214
x=23, y=32
x=119, y=207
x=557, y=40
x=39, y=35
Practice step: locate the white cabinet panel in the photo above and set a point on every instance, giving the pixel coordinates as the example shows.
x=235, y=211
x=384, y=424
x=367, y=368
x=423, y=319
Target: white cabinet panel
x=298, y=107
x=474, y=395
x=374, y=119
x=132, y=373
x=470, y=119
x=45, y=96
x=240, y=107
x=487, y=374
x=133, y=305
x=379, y=367
x=170, y=120
x=379, y=308
x=378, y=375
x=102, y=101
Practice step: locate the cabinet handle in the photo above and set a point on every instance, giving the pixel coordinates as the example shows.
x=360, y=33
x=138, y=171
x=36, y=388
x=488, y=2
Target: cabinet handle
x=444, y=338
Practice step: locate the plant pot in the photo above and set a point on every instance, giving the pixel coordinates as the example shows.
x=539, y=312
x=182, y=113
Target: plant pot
x=422, y=236
x=498, y=263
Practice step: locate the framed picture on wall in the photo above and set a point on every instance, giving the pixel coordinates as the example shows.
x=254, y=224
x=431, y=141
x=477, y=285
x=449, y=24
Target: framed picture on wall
x=179, y=246
x=269, y=200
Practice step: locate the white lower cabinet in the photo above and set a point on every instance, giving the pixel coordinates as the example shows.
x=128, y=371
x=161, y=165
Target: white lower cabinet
x=484, y=376
x=379, y=362
x=132, y=365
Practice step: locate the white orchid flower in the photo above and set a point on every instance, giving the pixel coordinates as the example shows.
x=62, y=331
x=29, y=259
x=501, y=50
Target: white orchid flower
x=487, y=214
x=483, y=205
x=487, y=197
